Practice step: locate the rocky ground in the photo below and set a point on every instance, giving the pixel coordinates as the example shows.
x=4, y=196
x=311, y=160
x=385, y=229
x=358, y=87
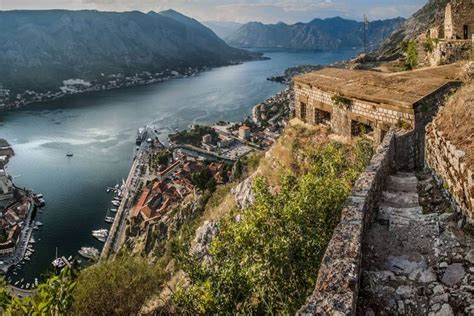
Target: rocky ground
x=417, y=260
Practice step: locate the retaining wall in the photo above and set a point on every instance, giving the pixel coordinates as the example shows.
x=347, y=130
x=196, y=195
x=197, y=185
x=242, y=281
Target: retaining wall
x=337, y=287
x=448, y=163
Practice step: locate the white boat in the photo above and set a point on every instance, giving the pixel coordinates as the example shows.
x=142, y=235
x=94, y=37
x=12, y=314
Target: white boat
x=32, y=240
x=58, y=263
x=89, y=252
x=109, y=219
x=38, y=223
x=116, y=203
x=113, y=210
x=101, y=238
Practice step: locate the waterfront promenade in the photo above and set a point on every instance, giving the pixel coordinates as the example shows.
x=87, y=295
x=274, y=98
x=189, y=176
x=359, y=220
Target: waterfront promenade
x=117, y=231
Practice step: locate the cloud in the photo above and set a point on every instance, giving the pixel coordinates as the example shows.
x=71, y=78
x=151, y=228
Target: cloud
x=267, y=11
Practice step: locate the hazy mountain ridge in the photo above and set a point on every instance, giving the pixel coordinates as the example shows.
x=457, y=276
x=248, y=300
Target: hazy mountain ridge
x=42, y=48
x=332, y=33
x=223, y=29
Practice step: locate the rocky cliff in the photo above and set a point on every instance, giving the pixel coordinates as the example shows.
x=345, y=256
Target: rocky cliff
x=431, y=14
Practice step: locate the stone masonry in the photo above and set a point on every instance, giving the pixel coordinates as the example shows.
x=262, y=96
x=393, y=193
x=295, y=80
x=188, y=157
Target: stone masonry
x=348, y=99
x=448, y=162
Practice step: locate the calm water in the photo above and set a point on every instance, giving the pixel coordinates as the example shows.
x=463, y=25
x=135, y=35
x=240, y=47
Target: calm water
x=100, y=129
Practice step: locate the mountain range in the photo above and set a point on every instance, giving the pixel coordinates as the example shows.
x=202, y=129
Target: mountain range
x=223, y=29
x=40, y=49
x=331, y=33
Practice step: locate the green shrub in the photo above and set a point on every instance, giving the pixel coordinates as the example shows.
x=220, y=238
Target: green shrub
x=118, y=287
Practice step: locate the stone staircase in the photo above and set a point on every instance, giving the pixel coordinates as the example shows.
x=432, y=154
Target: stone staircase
x=399, y=206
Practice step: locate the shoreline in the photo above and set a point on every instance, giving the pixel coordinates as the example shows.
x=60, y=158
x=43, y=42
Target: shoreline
x=130, y=82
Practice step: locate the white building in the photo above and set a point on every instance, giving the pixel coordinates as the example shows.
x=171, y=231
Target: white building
x=6, y=186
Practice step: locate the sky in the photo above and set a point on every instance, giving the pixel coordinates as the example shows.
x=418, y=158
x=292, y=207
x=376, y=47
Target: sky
x=266, y=11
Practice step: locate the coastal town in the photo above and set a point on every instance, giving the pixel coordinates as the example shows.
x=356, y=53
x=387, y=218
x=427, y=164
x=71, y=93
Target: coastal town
x=18, y=209
x=167, y=177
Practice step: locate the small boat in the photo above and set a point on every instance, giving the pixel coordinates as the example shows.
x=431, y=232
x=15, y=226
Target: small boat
x=69, y=153
x=89, y=252
x=113, y=210
x=109, y=219
x=58, y=263
x=32, y=240
x=16, y=283
x=38, y=223
x=116, y=203
x=101, y=238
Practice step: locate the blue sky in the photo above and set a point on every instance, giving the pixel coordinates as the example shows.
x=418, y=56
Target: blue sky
x=267, y=11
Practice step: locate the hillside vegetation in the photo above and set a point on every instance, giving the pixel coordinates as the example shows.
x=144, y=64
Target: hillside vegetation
x=263, y=259
x=456, y=121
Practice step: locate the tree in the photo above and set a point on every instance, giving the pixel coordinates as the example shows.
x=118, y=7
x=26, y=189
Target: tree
x=54, y=297
x=203, y=179
x=411, y=54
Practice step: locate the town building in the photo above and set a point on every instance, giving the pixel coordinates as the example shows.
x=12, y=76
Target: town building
x=6, y=186
x=207, y=139
x=352, y=101
x=244, y=132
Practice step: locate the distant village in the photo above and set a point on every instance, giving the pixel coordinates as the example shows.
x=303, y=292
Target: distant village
x=8, y=99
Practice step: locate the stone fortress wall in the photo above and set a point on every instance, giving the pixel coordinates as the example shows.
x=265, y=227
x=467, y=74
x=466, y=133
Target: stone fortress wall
x=359, y=110
x=448, y=163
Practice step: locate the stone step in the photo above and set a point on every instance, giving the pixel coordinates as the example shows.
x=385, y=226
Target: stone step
x=386, y=211
x=398, y=183
x=426, y=221
x=400, y=199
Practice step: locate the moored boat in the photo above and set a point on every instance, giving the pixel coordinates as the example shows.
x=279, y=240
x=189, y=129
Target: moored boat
x=89, y=253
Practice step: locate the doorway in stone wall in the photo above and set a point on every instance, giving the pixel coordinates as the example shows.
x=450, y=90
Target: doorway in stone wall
x=303, y=111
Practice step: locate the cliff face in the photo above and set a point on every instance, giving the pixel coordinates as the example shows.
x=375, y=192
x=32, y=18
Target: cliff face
x=318, y=34
x=42, y=48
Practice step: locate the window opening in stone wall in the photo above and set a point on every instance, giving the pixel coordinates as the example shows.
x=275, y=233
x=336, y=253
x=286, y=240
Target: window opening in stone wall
x=321, y=117
x=358, y=129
